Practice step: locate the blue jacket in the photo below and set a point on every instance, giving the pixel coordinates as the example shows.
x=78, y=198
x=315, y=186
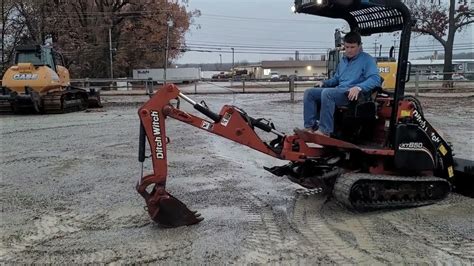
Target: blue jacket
x=361, y=71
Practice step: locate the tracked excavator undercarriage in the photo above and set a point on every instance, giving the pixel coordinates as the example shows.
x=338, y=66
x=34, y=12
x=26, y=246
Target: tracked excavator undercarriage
x=55, y=102
x=52, y=102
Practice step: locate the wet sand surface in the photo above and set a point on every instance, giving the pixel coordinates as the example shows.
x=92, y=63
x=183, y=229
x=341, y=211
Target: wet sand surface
x=68, y=195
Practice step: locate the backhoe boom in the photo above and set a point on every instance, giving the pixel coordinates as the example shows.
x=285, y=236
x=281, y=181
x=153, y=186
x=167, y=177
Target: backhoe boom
x=231, y=123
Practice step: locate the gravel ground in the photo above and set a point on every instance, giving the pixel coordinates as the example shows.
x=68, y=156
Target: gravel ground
x=67, y=194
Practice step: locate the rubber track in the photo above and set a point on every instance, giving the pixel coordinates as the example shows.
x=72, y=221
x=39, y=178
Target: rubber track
x=343, y=186
x=5, y=107
x=52, y=104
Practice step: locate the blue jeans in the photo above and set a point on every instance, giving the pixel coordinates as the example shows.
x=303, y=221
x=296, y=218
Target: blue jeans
x=325, y=99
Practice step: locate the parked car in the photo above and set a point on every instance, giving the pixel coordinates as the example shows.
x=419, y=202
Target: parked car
x=435, y=76
x=457, y=76
x=283, y=77
x=293, y=77
x=274, y=77
x=221, y=76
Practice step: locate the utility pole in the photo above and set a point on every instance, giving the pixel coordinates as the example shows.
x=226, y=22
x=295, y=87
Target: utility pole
x=396, y=38
x=3, y=36
x=375, y=48
x=220, y=57
x=111, y=55
x=395, y=48
x=232, y=58
x=232, y=63
x=169, y=24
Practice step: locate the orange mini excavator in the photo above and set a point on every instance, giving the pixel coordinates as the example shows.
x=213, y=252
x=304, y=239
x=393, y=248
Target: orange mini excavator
x=383, y=153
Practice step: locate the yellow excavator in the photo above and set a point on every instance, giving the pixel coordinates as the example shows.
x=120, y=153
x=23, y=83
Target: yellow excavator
x=39, y=82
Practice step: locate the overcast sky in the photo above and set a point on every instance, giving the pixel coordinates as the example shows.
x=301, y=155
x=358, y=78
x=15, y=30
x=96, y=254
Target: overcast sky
x=268, y=30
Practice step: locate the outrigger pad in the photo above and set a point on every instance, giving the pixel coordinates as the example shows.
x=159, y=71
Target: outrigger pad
x=280, y=170
x=308, y=174
x=94, y=102
x=173, y=213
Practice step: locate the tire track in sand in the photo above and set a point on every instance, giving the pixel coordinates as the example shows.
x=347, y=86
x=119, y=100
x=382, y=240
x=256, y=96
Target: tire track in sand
x=452, y=243
x=445, y=248
x=47, y=227
x=32, y=249
x=365, y=233
x=308, y=219
x=267, y=242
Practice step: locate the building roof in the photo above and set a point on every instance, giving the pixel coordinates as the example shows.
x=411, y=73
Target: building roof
x=293, y=63
x=439, y=61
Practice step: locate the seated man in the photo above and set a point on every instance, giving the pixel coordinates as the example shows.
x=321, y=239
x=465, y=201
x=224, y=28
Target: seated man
x=356, y=72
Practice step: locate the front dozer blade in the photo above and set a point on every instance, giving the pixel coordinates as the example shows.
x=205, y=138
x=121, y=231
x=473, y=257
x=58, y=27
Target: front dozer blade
x=463, y=177
x=171, y=212
x=93, y=100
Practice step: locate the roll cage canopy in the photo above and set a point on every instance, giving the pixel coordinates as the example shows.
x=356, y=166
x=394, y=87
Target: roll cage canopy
x=369, y=17
x=364, y=16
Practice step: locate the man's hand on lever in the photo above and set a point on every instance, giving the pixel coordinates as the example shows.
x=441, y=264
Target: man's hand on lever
x=318, y=84
x=354, y=93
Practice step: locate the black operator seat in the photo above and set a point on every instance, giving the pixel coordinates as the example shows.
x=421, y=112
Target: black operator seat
x=365, y=106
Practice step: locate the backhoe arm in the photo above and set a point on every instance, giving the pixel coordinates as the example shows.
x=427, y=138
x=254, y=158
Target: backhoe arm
x=231, y=123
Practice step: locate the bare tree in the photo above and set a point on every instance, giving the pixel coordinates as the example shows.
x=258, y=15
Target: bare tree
x=441, y=21
x=80, y=30
x=9, y=32
x=138, y=33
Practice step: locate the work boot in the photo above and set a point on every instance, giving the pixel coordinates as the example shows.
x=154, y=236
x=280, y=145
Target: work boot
x=319, y=132
x=309, y=130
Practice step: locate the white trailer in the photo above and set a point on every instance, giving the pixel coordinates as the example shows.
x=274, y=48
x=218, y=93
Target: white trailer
x=173, y=75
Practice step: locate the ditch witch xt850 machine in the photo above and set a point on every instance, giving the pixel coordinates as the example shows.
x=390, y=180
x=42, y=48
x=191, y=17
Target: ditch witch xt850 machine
x=383, y=153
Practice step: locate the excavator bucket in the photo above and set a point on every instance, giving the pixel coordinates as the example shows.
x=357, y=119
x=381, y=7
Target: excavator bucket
x=162, y=207
x=168, y=211
x=173, y=213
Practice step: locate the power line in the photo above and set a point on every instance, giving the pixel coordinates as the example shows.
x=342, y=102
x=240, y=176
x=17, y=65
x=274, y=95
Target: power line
x=271, y=20
x=156, y=48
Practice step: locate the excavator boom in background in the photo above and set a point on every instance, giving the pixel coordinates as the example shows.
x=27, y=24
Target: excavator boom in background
x=39, y=82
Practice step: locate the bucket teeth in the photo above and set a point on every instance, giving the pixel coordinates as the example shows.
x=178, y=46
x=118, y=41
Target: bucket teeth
x=173, y=213
x=168, y=211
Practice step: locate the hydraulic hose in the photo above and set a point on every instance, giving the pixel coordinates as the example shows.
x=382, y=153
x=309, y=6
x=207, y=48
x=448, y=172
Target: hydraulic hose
x=141, y=144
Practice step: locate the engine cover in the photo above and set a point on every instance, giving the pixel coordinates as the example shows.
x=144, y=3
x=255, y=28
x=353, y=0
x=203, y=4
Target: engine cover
x=414, y=150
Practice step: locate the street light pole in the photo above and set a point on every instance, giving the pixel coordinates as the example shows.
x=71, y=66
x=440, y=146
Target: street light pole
x=169, y=24
x=375, y=48
x=232, y=63
x=232, y=80
x=232, y=58
x=111, y=55
x=3, y=36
